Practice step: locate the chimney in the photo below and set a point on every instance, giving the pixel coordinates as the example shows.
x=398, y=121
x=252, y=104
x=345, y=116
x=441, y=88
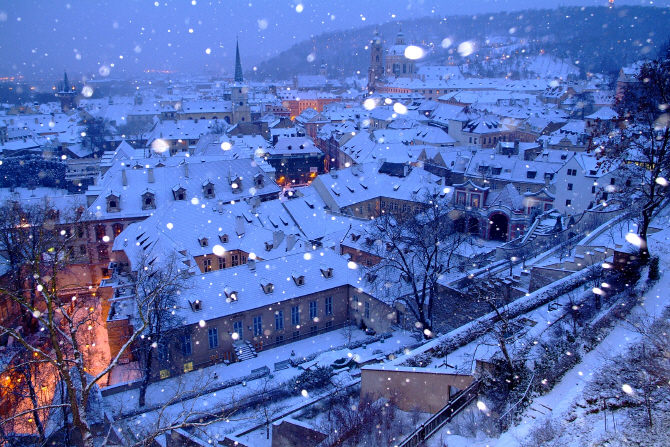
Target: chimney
x=150, y=175
x=219, y=207
x=405, y=170
x=239, y=225
x=333, y=173
x=124, y=177
x=290, y=241
x=277, y=238
x=252, y=264
x=186, y=170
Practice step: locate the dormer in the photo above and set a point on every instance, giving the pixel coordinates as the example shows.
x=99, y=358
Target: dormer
x=148, y=199
x=327, y=272
x=236, y=184
x=179, y=192
x=267, y=286
x=355, y=237
x=196, y=305
x=231, y=295
x=259, y=180
x=223, y=238
x=208, y=189
x=268, y=246
x=113, y=202
x=298, y=278
x=531, y=174
x=203, y=241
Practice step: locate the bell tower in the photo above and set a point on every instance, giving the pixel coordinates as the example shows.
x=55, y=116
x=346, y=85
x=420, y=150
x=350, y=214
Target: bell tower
x=376, y=69
x=240, y=93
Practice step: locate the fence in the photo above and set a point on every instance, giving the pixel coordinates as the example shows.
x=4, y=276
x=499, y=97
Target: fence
x=446, y=414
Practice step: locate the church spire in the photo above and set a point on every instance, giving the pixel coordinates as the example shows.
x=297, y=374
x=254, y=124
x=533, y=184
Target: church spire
x=239, y=78
x=66, y=83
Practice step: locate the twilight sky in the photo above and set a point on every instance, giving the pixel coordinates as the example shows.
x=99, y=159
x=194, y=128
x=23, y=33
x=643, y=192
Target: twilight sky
x=38, y=38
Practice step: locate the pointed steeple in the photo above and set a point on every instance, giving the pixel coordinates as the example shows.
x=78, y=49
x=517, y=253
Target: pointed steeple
x=239, y=78
x=66, y=83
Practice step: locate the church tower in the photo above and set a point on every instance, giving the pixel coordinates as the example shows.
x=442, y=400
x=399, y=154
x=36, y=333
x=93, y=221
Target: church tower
x=240, y=93
x=67, y=94
x=323, y=70
x=376, y=69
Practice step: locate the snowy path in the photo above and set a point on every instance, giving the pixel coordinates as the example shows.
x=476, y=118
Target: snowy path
x=572, y=384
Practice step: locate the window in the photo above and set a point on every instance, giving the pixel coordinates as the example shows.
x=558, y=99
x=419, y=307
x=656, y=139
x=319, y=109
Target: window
x=207, y=265
x=355, y=300
x=329, y=305
x=279, y=320
x=186, y=348
x=528, y=189
x=117, y=229
x=213, y=335
x=82, y=249
x=313, y=329
x=593, y=189
x=258, y=326
x=568, y=202
x=569, y=186
x=329, y=324
x=296, y=334
x=222, y=263
x=367, y=310
x=188, y=367
x=235, y=260
x=295, y=315
x=100, y=232
x=165, y=373
x=612, y=181
x=279, y=339
x=383, y=204
x=313, y=311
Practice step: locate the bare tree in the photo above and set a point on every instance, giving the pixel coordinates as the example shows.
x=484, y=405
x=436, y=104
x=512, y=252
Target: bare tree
x=416, y=251
x=160, y=312
x=639, y=145
x=58, y=305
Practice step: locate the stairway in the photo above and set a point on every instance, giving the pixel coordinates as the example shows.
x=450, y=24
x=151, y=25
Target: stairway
x=540, y=229
x=244, y=351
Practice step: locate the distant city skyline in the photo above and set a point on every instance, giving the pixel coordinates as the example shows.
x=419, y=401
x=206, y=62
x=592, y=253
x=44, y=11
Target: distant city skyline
x=121, y=37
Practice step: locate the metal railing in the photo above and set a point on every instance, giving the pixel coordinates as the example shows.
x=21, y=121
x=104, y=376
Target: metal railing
x=446, y=414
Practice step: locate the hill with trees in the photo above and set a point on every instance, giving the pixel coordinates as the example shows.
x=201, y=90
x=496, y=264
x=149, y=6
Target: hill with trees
x=596, y=39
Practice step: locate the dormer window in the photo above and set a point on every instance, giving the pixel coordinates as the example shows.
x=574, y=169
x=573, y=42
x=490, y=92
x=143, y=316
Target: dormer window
x=496, y=171
x=231, y=295
x=258, y=181
x=204, y=242
x=531, y=174
x=327, y=272
x=236, y=184
x=179, y=192
x=113, y=203
x=196, y=305
x=267, y=286
x=148, y=200
x=223, y=238
x=298, y=279
x=355, y=237
x=208, y=189
x=268, y=246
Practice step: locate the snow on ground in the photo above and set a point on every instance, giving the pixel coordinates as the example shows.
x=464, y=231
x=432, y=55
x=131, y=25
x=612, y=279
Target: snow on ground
x=160, y=392
x=558, y=401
